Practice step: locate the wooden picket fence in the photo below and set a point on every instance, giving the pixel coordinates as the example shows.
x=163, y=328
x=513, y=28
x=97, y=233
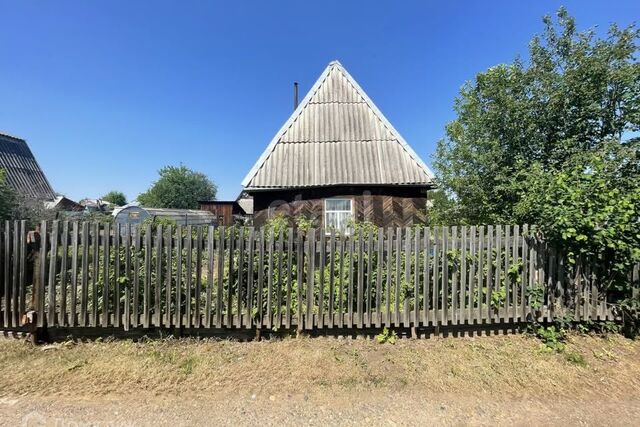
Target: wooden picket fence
x=96, y=275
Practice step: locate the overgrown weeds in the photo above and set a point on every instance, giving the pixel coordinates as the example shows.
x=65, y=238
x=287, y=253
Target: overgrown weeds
x=387, y=336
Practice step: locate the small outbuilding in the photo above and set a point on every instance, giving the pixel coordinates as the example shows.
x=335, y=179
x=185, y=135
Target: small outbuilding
x=223, y=210
x=228, y=212
x=137, y=214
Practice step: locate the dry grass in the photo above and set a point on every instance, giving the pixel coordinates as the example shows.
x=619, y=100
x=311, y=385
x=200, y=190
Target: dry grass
x=513, y=366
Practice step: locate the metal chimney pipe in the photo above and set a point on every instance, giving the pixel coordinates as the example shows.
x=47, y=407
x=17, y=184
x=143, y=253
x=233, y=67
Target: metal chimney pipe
x=295, y=95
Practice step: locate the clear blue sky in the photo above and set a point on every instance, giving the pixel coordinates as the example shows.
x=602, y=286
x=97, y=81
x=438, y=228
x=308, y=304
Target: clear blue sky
x=107, y=92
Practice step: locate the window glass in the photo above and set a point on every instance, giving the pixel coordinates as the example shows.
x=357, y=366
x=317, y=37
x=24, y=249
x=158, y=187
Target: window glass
x=337, y=213
x=338, y=205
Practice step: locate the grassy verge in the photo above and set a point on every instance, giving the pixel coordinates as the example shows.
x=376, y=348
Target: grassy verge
x=514, y=366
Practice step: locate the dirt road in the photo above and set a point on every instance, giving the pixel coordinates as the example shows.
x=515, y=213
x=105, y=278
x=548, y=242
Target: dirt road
x=343, y=409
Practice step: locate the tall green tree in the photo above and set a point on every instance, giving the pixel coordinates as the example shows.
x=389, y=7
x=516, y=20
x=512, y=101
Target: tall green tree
x=178, y=187
x=116, y=197
x=573, y=92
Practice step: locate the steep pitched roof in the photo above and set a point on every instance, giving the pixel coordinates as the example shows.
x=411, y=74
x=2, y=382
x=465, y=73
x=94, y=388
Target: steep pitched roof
x=22, y=170
x=337, y=136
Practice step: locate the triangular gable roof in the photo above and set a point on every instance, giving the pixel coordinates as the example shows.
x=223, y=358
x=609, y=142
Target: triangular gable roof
x=337, y=136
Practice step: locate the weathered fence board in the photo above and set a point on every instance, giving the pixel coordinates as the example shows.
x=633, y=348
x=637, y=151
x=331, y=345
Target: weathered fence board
x=7, y=272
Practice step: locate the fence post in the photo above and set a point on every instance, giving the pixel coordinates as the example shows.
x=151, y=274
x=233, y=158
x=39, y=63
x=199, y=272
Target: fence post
x=29, y=273
x=7, y=275
x=23, y=271
x=311, y=259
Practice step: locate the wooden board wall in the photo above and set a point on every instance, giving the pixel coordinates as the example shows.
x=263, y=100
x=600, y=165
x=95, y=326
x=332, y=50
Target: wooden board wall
x=223, y=211
x=385, y=207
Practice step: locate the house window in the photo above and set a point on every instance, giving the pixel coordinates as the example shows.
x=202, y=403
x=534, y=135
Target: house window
x=337, y=214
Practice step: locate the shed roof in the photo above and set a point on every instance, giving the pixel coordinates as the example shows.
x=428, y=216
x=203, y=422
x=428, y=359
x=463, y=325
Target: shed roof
x=175, y=213
x=22, y=170
x=337, y=136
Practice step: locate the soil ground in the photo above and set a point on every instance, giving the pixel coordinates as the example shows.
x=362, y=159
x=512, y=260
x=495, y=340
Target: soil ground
x=503, y=380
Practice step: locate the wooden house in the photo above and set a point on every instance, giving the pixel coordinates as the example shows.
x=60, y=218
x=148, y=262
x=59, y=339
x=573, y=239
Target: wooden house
x=338, y=159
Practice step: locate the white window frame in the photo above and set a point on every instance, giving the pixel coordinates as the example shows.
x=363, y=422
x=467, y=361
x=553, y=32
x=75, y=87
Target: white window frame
x=347, y=230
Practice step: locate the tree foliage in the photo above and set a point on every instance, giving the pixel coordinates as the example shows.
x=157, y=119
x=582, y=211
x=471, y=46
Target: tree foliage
x=178, y=187
x=16, y=205
x=591, y=208
x=573, y=93
x=8, y=197
x=116, y=197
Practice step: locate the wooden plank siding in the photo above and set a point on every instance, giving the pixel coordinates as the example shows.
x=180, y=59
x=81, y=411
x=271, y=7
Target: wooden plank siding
x=384, y=207
x=98, y=276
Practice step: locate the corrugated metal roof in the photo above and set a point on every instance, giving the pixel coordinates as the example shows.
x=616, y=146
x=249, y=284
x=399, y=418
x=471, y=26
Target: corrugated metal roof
x=337, y=136
x=22, y=171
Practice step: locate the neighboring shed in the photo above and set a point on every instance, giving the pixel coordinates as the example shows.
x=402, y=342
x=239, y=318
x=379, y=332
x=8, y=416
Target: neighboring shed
x=338, y=159
x=22, y=170
x=223, y=210
x=61, y=203
x=137, y=214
